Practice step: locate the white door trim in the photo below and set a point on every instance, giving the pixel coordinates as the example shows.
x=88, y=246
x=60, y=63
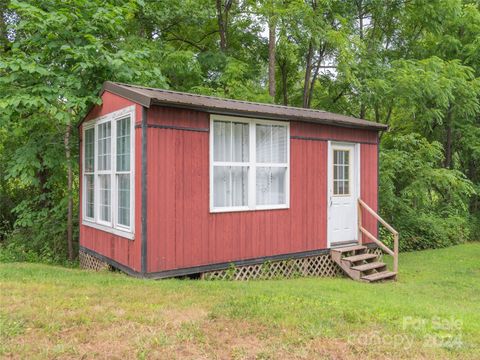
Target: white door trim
x=356, y=176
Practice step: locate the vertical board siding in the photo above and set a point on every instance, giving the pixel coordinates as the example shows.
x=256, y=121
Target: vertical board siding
x=122, y=250
x=369, y=185
x=183, y=233
x=309, y=130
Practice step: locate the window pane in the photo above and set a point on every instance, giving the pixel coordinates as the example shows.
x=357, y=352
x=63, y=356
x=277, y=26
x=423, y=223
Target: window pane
x=89, y=143
x=271, y=144
x=89, y=196
x=230, y=184
x=222, y=136
x=264, y=137
x=279, y=144
x=341, y=168
x=271, y=187
x=105, y=197
x=104, y=146
x=123, y=181
x=231, y=141
x=123, y=144
x=240, y=142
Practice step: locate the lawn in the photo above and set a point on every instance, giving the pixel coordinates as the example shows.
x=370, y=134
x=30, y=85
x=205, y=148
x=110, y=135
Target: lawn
x=433, y=311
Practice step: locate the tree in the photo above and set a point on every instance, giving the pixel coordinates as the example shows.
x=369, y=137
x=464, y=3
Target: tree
x=413, y=65
x=55, y=65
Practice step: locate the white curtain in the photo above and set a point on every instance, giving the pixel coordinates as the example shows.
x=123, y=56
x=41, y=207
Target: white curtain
x=123, y=144
x=90, y=196
x=90, y=150
x=263, y=143
x=104, y=146
x=271, y=144
x=279, y=144
x=105, y=197
x=123, y=189
x=271, y=188
x=230, y=183
x=271, y=148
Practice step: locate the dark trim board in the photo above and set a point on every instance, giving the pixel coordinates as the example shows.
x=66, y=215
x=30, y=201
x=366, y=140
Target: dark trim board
x=174, y=127
x=111, y=262
x=144, y=191
x=297, y=137
x=210, y=267
x=294, y=137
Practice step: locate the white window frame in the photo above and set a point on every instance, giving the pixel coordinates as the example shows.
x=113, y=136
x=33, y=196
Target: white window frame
x=251, y=164
x=85, y=174
x=112, y=226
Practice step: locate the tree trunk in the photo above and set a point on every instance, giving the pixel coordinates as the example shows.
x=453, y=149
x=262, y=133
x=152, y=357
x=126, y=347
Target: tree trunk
x=308, y=73
x=363, y=111
x=271, y=57
x=448, y=140
x=448, y=148
x=221, y=26
x=67, y=135
x=315, y=75
x=360, y=17
x=4, y=43
x=284, y=85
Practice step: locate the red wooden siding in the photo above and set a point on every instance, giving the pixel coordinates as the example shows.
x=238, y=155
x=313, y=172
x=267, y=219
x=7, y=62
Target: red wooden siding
x=308, y=130
x=183, y=233
x=124, y=251
x=369, y=185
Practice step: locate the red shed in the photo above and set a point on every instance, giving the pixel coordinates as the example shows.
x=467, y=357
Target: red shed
x=175, y=184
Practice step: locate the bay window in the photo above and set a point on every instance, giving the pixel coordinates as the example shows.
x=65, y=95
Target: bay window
x=249, y=164
x=108, y=172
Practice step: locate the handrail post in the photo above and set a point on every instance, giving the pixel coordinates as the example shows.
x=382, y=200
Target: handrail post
x=361, y=204
x=395, y=253
x=360, y=234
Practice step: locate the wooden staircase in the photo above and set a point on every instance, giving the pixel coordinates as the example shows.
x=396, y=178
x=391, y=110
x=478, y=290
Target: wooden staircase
x=360, y=265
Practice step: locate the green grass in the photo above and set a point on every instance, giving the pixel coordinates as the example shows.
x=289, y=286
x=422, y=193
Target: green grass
x=432, y=311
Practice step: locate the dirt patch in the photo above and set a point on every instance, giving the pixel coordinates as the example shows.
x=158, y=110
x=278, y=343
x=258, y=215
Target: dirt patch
x=186, y=334
x=176, y=317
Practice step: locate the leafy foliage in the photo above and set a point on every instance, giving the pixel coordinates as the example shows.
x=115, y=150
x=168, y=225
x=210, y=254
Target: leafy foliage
x=428, y=203
x=413, y=65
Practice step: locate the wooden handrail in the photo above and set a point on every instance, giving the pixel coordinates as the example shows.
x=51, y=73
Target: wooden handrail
x=362, y=230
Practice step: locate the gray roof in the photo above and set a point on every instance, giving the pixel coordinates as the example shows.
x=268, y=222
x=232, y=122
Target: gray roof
x=149, y=96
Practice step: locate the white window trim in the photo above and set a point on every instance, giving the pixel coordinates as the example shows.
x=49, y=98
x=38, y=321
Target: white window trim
x=112, y=226
x=252, y=165
x=351, y=171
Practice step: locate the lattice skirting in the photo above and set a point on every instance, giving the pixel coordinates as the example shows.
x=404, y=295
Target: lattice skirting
x=320, y=265
x=90, y=262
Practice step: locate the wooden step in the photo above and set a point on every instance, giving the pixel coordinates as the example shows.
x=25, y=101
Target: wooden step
x=379, y=276
x=349, y=248
x=368, y=266
x=360, y=257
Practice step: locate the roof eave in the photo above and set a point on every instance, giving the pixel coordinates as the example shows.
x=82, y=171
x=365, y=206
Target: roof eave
x=148, y=101
x=134, y=96
x=120, y=91
x=268, y=116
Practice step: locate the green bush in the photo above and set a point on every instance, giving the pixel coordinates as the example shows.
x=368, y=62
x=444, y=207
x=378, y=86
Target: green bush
x=426, y=203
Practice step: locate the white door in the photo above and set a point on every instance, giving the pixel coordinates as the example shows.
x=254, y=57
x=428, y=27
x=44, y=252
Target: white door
x=343, y=190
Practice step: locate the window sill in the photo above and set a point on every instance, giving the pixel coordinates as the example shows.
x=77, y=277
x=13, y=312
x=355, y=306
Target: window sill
x=122, y=233
x=245, y=209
